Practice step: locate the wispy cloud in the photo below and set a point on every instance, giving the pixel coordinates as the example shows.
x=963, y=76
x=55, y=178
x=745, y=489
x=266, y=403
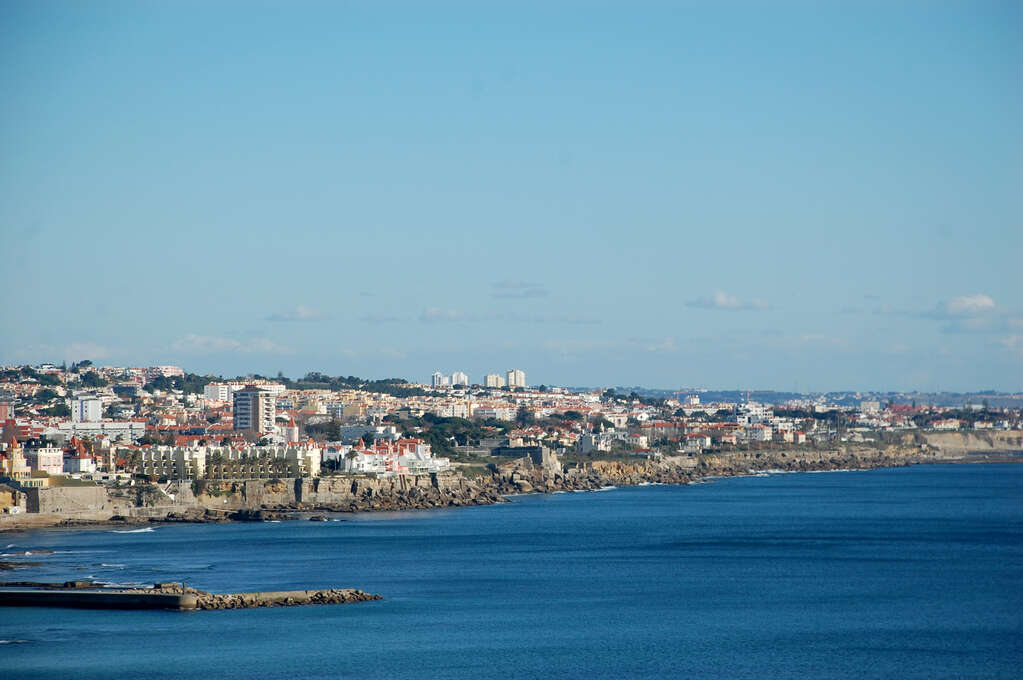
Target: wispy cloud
x=1014, y=345
x=976, y=313
x=444, y=315
x=725, y=301
x=440, y=315
x=378, y=352
x=514, y=288
x=77, y=351
x=969, y=305
x=961, y=307
x=554, y=318
x=382, y=318
x=193, y=343
x=666, y=346
x=298, y=313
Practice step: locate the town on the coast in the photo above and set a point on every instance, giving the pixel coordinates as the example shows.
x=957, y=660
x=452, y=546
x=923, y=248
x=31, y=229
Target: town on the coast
x=82, y=442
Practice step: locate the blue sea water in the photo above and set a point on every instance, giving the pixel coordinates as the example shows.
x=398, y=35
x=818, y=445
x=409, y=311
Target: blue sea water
x=894, y=573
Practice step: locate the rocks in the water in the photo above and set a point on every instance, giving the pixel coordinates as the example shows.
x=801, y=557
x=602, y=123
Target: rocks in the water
x=286, y=598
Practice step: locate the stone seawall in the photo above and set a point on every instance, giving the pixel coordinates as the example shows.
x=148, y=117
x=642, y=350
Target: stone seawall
x=84, y=502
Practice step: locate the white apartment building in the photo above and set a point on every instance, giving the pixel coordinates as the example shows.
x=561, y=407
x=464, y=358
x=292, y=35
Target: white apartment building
x=498, y=412
x=216, y=462
x=493, y=380
x=456, y=410
x=255, y=410
x=459, y=378
x=870, y=406
x=516, y=378
x=218, y=391
x=87, y=409
x=154, y=372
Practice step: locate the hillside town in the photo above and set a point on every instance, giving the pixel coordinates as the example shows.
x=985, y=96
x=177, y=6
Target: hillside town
x=86, y=425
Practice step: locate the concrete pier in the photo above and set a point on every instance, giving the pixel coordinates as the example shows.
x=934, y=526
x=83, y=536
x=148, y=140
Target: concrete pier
x=169, y=596
x=92, y=599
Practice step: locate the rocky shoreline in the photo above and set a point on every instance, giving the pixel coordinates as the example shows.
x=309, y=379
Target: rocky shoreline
x=304, y=499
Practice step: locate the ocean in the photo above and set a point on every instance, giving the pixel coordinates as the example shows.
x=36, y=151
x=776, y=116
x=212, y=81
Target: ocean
x=893, y=573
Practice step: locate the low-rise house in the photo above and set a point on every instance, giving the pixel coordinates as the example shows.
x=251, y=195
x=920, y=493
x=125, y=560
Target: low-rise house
x=696, y=442
x=638, y=441
x=759, y=433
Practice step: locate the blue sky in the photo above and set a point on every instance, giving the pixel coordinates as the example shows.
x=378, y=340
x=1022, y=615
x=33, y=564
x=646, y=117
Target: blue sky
x=803, y=195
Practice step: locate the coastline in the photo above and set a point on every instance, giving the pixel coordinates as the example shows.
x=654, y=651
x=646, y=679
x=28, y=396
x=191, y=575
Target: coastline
x=309, y=499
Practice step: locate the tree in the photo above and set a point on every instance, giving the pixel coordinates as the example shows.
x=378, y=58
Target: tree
x=45, y=394
x=92, y=379
x=367, y=439
x=57, y=411
x=524, y=417
x=333, y=432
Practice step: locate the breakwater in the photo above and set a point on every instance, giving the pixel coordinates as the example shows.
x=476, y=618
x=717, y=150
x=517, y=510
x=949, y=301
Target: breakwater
x=170, y=596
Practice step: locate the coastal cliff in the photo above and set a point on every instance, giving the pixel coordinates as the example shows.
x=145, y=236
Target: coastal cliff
x=956, y=444
x=258, y=500
x=524, y=476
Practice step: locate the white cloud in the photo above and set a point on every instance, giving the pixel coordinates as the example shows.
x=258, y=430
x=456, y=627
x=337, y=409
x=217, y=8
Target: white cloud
x=514, y=288
x=298, y=313
x=205, y=344
x=969, y=305
x=723, y=300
